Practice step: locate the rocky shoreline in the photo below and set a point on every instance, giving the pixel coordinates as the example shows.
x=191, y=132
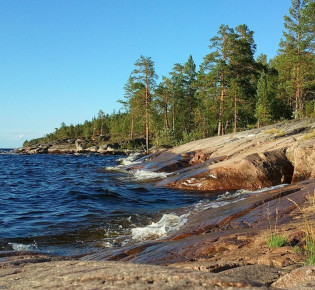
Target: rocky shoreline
x=215, y=249
x=72, y=146
x=222, y=246
x=283, y=153
x=93, y=145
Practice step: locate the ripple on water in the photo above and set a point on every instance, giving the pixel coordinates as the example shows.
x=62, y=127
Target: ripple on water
x=58, y=200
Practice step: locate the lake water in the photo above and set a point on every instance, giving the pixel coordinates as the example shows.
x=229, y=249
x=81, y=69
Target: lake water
x=68, y=205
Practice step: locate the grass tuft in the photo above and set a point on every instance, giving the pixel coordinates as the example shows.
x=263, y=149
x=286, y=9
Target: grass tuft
x=276, y=241
x=309, y=248
x=309, y=135
x=272, y=131
x=275, y=131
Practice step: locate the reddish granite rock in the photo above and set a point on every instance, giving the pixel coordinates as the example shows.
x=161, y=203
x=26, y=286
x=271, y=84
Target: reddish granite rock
x=225, y=229
x=302, y=156
x=280, y=153
x=111, y=275
x=302, y=278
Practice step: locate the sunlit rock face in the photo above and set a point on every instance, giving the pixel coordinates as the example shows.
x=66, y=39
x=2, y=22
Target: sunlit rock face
x=279, y=154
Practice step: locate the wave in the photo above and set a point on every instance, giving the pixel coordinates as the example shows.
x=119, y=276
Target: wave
x=230, y=197
x=142, y=174
x=167, y=224
x=124, y=162
x=139, y=174
x=130, y=159
x=242, y=193
x=118, y=168
x=23, y=247
x=136, y=175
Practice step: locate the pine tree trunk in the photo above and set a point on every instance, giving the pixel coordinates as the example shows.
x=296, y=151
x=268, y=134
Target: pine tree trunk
x=226, y=127
x=298, y=85
x=190, y=113
x=297, y=94
x=166, y=118
x=147, y=119
x=173, y=118
x=131, y=127
x=235, y=113
x=220, y=125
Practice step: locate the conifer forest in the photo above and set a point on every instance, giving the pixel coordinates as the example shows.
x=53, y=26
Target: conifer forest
x=230, y=91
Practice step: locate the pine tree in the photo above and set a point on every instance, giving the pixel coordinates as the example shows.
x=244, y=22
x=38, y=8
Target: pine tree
x=176, y=86
x=221, y=45
x=296, y=61
x=162, y=96
x=134, y=106
x=263, y=106
x=145, y=75
x=189, y=79
x=242, y=69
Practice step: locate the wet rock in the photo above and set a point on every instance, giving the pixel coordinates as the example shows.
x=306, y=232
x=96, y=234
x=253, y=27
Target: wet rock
x=227, y=231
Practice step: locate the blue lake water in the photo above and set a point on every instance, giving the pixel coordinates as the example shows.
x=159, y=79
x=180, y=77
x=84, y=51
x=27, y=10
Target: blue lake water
x=68, y=205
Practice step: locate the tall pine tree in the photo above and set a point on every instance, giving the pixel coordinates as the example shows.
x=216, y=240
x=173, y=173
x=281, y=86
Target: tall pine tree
x=145, y=75
x=263, y=106
x=296, y=61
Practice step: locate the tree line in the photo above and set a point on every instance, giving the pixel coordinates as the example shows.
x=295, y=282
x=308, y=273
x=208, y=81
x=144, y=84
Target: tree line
x=230, y=91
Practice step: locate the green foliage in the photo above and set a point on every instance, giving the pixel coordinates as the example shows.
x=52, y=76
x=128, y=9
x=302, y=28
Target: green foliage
x=310, y=108
x=310, y=250
x=309, y=135
x=165, y=138
x=296, y=60
x=276, y=241
x=145, y=75
x=263, y=105
x=229, y=91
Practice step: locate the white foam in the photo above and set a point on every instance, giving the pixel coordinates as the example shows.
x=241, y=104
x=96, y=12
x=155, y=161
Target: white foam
x=167, y=224
x=141, y=174
x=270, y=188
x=129, y=160
x=119, y=168
x=107, y=245
x=23, y=247
x=207, y=204
x=228, y=198
x=240, y=193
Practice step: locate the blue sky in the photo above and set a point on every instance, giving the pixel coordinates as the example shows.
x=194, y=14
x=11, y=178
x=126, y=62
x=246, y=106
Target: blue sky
x=64, y=60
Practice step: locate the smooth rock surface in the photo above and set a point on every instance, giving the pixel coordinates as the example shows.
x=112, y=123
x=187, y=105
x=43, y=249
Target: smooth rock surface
x=302, y=278
x=111, y=275
x=230, y=232
x=272, y=155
